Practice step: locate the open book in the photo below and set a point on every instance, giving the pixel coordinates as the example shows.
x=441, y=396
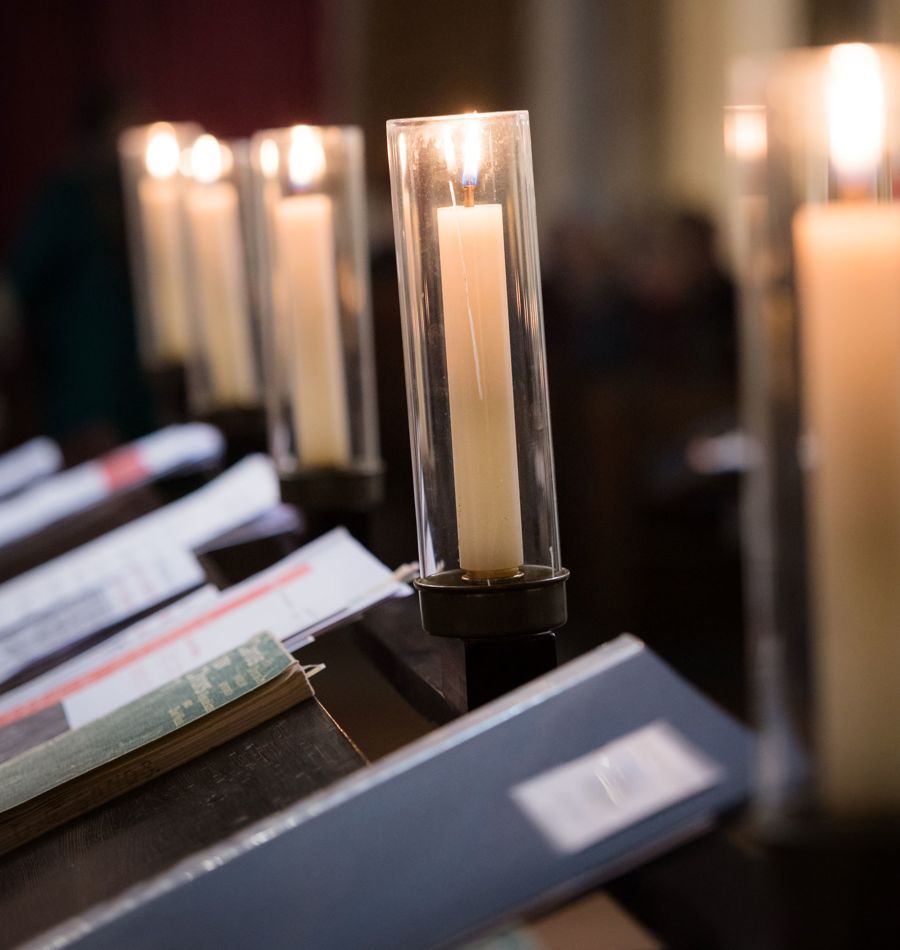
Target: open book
x=78, y=770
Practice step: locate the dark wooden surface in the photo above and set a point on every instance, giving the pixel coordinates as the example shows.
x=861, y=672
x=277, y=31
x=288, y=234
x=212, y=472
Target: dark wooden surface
x=443, y=677
x=153, y=827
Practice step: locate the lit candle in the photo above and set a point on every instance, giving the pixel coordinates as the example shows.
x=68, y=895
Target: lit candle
x=220, y=288
x=479, y=376
x=848, y=266
x=167, y=288
x=307, y=283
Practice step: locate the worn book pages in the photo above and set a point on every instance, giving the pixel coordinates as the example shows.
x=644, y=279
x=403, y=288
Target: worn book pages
x=77, y=771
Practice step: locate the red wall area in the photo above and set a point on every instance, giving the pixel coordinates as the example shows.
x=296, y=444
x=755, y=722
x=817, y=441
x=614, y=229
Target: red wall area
x=233, y=65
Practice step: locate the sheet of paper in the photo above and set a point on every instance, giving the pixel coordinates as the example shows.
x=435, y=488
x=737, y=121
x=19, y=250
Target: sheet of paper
x=27, y=463
x=581, y=802
x=75, y=490
x=330, y=578
x=137, y=583
x=144, y=631
x=154, y=550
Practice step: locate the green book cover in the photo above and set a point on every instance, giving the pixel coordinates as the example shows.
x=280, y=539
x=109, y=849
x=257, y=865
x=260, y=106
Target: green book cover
x=152, y=717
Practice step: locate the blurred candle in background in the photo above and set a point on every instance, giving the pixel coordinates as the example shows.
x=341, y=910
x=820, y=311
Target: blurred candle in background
x=160, y=220
x=220, y=281
x=848, y=269
x=307, y=277
x=270, y=166
x=479, y=373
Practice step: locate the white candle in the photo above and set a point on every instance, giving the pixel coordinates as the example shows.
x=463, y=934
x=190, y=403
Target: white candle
x=220, y=289
x=848, y=272
x=305, y=250
x=167, y=288
x=479, y=378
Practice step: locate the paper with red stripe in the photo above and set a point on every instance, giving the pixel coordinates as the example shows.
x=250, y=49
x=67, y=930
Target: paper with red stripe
x=327, y=580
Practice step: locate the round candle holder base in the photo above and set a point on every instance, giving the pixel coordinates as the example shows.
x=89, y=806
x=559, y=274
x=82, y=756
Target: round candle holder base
x=834, y=882
x=334, y=489
x=532, y=602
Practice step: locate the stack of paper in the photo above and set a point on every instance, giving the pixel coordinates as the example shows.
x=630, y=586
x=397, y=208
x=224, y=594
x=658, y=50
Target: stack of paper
x=318, y=586
x=128, y=571
x=163, y=452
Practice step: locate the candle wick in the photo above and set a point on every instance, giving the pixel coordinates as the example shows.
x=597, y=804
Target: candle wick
x=469, y=196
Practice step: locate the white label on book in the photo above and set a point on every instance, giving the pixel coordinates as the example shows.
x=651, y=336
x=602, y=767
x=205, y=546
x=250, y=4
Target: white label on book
x=581, y=802
x=25, y=464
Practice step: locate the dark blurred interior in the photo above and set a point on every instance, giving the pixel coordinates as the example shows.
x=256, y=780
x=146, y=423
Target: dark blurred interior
x=625, y=99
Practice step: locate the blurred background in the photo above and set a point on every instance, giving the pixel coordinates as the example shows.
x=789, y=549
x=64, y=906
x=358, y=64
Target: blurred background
x=626, y=104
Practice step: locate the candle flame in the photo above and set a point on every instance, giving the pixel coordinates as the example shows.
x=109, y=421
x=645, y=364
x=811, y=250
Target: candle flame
x=471, y=150
x=746, y=136
x=269, y=160
x=206, y=159
x=306, y=159
x=163, y=153
x=855, y=102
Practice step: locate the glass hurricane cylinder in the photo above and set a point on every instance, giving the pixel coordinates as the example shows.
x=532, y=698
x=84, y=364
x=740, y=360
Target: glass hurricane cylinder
x=224, y=372
x=309, y=198
x=821, y=357
x=470, y=294
x=150, y=157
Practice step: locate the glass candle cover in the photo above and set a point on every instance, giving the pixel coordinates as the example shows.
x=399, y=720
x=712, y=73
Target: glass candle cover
x=821, y=392
x=309, y=201
x=470, y=295
x=150, y=157
x=224, y=368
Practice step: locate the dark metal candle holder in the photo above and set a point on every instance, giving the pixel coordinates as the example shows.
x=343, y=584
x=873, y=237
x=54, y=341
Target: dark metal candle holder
x=494, y=636
x=329, y=497
x=479, y=411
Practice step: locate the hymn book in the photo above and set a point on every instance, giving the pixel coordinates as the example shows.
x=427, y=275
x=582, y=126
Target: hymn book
x=78, y=770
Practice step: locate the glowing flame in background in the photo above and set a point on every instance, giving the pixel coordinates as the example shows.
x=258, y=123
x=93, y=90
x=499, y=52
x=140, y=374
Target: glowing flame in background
x=163, y=153
x=306, y=159
x=206, y=159
x=854, y=93
x=746, y=136
x=269, y=160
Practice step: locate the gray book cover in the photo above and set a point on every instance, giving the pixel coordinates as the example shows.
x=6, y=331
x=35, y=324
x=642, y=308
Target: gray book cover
x=429, y=846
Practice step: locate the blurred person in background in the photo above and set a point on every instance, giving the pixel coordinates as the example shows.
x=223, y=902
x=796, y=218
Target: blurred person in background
x=67, y=295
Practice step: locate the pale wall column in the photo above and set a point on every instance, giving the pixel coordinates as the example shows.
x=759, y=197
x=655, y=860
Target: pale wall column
x=343, y=59
x=590, y=77
x=701, y=39
x=887, y=21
